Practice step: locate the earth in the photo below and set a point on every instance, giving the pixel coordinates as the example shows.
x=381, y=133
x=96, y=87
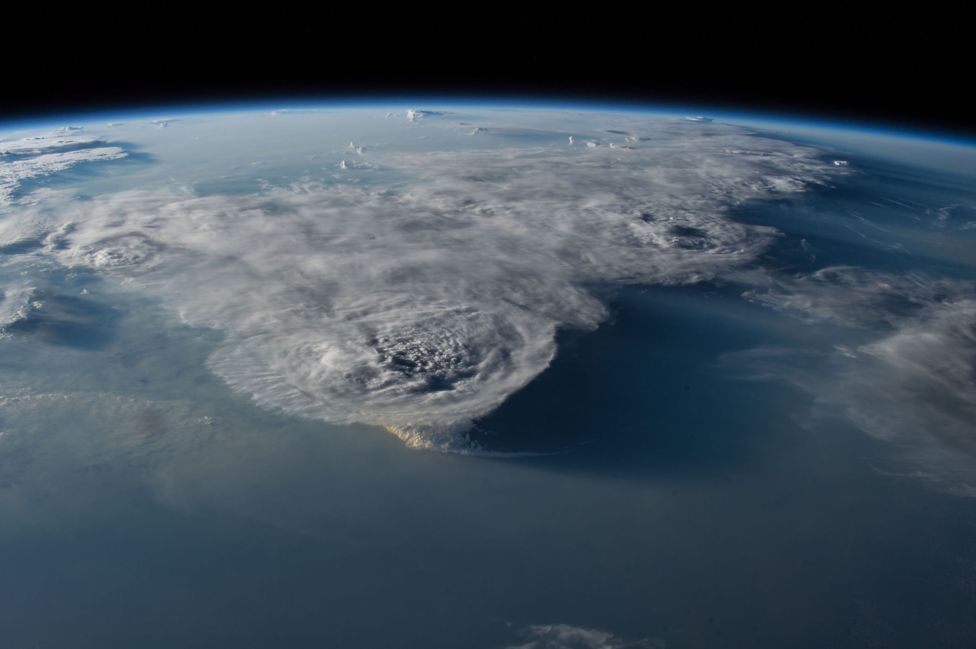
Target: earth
x=485, y=375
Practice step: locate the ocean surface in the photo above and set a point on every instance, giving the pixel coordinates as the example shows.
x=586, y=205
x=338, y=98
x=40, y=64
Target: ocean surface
x=662, y=480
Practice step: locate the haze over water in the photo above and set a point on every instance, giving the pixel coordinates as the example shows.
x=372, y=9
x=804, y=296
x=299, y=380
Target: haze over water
x=704, y=387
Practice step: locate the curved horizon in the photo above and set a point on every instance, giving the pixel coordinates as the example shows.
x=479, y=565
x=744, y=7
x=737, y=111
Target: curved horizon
x=786, y=117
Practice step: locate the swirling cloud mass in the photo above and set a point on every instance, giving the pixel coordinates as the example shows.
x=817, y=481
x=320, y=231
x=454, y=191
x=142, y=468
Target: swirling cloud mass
x=421, y=305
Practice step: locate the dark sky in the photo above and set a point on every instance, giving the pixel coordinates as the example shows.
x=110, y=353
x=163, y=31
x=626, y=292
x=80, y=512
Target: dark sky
x=897, y=68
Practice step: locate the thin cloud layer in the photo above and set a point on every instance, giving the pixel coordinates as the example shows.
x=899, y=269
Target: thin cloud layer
x=856, y=297
x=39, y=451
x=15, y=304
x=917, y=388
x=914, y=385
x=565, y=636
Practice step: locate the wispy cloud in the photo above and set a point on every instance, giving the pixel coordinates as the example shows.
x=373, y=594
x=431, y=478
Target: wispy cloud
x=855, y=297
x=913, y=384
x=565, y=636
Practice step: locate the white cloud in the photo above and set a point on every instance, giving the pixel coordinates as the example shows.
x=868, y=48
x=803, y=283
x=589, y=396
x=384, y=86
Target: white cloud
x=44, y=144
x=414, y=115
x=565, y=636
x=15, y=304
x=35, y=157
x=423, y=306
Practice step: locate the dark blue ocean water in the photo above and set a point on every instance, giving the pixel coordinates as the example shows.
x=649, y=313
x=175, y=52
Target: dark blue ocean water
x=686, y=505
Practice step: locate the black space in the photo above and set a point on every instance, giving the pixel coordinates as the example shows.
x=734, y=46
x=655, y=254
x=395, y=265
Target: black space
x=904, y=68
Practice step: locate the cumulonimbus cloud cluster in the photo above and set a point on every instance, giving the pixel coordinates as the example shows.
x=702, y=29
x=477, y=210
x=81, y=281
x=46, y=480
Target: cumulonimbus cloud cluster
x=421, y=305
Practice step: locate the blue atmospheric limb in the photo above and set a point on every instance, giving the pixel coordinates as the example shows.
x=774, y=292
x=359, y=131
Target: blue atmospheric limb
x=394, y=102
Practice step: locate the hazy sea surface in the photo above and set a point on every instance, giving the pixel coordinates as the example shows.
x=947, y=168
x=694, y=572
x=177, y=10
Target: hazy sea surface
x=677, y=476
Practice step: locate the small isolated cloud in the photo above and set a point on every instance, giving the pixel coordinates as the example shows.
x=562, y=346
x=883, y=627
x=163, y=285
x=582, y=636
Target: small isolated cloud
x=414, y=115
x=565, y=636
x=954, y=216
x=15, y=304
